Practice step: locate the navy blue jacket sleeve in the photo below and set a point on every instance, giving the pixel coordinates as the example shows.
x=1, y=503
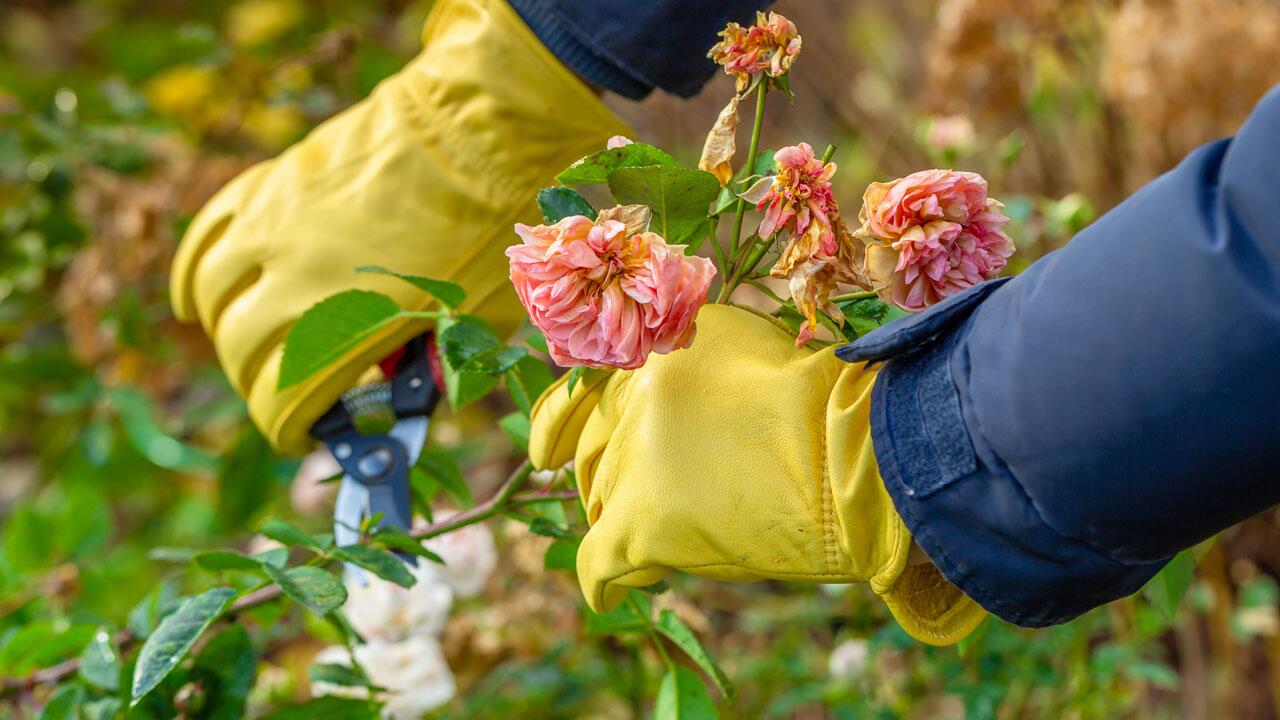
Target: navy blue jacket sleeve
x=630, y=47
x=1053, y=439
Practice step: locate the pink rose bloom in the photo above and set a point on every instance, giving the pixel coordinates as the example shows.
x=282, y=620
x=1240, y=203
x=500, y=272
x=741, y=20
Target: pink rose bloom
x=617, y=141
x=932, y=234
x=800, y=193
x=771, y=45
x=606, y=299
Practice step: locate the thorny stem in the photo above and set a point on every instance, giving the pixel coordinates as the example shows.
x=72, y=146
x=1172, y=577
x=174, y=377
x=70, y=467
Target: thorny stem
x=504, y=499
x=741, y=211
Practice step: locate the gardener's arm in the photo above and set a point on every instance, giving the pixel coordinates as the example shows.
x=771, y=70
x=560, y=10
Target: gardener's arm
x=632, y=48
x=1051, y=441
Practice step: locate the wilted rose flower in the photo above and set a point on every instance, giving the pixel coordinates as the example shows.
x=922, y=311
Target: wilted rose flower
x=820, y=254
x=813, y=274
x=799, y=194
x=770, y=46
x=604, y=294
x=413, y=671
x=618, y=141
x=932, y=234
x=379, y=609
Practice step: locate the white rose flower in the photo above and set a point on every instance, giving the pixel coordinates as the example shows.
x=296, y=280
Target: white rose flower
x=383, y=610
x=413, y=671
x=469, y=556
x=848, y=660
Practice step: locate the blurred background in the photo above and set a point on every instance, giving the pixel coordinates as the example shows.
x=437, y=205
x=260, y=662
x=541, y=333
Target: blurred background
x=119, y=437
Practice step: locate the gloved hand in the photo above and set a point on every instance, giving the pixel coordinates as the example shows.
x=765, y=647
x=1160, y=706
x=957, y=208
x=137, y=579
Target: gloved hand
x=426, y=176
x=741, y=458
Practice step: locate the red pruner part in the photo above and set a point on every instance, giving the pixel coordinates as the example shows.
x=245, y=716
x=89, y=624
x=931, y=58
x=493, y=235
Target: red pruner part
x=391, y=363
x=433, y=361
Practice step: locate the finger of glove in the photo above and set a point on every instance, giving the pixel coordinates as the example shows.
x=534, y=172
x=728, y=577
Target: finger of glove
x=558, y=417
x=605, y=573
x=252, y=325
x=216, y=259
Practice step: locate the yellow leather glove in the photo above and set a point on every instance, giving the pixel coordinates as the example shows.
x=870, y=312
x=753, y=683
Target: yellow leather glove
x=426, y=176
x=741, y=458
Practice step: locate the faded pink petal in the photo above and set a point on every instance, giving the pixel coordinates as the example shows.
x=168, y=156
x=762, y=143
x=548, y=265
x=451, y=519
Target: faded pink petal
x=604, y=298
x=947, y=233
x=769, y=46
x=801, y=192
x=618, y=141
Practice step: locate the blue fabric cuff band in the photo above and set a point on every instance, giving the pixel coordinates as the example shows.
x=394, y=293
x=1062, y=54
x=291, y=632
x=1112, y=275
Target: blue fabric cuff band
x=575, y=54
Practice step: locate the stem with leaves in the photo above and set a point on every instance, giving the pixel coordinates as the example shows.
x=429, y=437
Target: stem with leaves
x=652, y=633
x=507, y=498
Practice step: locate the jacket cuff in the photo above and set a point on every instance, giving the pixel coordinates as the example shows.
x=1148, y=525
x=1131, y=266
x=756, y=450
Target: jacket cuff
x=576, y=55
x=961, y=504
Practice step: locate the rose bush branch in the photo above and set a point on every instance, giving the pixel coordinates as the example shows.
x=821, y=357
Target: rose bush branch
x=506, y=498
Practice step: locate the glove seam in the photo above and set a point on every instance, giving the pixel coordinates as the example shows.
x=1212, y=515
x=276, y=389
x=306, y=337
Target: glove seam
x=826, y=503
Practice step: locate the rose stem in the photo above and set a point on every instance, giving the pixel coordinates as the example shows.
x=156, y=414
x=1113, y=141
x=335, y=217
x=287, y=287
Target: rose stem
x=741, y=211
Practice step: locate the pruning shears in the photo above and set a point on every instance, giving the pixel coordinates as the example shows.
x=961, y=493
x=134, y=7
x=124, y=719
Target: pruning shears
x=376, y=433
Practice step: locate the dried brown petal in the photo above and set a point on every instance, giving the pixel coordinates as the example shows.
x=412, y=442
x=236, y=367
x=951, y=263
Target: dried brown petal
x=880, y=261
x=635, y=217
x=717, y=152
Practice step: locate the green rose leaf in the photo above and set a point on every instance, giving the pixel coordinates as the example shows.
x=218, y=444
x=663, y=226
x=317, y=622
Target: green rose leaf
x=526, y=382
x=330, y=329
x=442, y=469
x=516, y=426
x=174, y=637
x=449, y=294
x=315, y=588
x=678, y=196
x=343, y=675
x=561, y=555
x=682, y=696
x=679, y=633
x=288, y=534
x=558, y=203
x=64, y=704
x=226, y=560
x=624, y=619
x=599, y=166
x=379, y=562
x=231, y=664
x=100, y=662
x=156, y=606
x=392, y=538
x=461, y=339
x=495, y=361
